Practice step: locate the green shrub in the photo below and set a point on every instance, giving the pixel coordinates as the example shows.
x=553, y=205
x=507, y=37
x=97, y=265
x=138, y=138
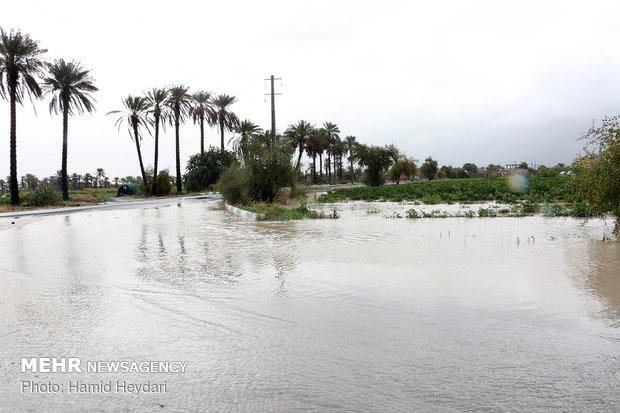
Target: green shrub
x=234, y=185
x=204, y=169
x=412, y=213
x=43, y=195
x=270, y=172
x=163, y=186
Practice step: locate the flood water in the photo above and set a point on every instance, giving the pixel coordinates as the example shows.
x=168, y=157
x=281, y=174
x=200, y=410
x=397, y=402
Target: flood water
x=360, y=313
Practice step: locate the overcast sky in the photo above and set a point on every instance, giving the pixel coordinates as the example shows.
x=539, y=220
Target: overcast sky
x=462, y=81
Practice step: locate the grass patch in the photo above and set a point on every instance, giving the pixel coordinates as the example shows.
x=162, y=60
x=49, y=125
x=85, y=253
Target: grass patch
x=278, y=212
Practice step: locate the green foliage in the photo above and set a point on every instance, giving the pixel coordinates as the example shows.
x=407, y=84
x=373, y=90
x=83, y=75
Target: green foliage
x=269, y=172
x=599, y=169
x=429, y=168
x=554, y=189
x=163, y=186
x=402, y=166
x=375, y=159
x=43, y=196
x=204, y=169
x=275, y=212
x=234, y=185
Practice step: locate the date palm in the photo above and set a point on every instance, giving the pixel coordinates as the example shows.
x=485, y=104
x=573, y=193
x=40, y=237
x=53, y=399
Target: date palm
x=226, y=119
x=179, y=103
x=332, y=132
x=71, y=86
x=245, y=133
x=156, y=100
x=134, y=115
x=350, y=142
x=20, y=64
x=201, y=110
x=299, y=134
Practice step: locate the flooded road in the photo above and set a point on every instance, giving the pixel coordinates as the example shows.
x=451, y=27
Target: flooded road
x=361, y=313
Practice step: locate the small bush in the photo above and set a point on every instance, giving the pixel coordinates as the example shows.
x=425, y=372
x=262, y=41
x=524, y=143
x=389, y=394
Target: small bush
x=163, y=186
x=44, y=195
x=412, y=213
x=234, y=185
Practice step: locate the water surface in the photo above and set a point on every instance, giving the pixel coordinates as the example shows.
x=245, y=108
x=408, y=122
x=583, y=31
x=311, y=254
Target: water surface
x=361, y=313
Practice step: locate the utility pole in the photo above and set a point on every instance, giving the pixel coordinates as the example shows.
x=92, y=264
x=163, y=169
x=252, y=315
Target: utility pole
x=273, y=108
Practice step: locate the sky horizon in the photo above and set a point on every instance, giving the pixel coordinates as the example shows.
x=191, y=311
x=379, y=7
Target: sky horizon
x=482, y=81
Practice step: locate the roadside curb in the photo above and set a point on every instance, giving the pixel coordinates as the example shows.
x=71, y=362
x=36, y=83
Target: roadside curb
x=251, y=216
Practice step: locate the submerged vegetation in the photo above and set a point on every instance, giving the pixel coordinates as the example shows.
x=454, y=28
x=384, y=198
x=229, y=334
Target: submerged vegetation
x=540, y=189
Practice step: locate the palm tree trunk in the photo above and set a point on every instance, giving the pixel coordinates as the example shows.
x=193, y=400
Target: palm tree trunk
x=202, y=134
x=222, y=131
x=301, y=147
x=314, y=168
x=14, y=187
x=352, y=176
x=65, y=131
x=321, y=164
x=154, y=184
x=177, y=114
x=137, y=139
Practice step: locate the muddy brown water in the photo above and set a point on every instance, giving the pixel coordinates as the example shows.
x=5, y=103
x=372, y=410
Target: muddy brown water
x=361, y=313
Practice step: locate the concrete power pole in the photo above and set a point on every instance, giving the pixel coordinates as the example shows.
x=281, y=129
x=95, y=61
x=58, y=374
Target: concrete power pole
x=273, y=108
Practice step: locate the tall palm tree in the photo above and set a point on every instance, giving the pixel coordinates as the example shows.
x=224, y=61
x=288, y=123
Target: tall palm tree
x=179, y=103
x=316, y=146
x=134, y=115
x=201, y=110
x=100, y=174
x=71, y=86
x=226, y=118
x=299, y=134
x=350, y=142
x=245, y=132
x=20, y=63
x=156, y=100
x=332, y=132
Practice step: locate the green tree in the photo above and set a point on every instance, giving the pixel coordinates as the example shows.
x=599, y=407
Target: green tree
x=376, y=159
x=402, y=166
x=332, y=132
x=299, y=136
x=350, y=142
x=20, y=64
x=429, y=168
x=226, y=119
x=156, y=100
x=204, y=169
x=201, y=110
x=134, y=115
x=599, y=169
x=179, y=103
x=71, y=86
x=470, y=168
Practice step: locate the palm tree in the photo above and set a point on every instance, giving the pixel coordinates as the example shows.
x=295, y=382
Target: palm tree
x=70, y=85
x=203, y=109
x=225, y=117
x=299, y=135
x=350, y=142
x=316, y=146
x=100, y=174
x=179, y=103
x=20, y=62
x=246, y=130
x=332, y=132
x=134, y=115
x=156, y=100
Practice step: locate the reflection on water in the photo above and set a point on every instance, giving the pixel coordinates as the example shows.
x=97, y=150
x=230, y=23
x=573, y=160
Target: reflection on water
x=363, y=313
